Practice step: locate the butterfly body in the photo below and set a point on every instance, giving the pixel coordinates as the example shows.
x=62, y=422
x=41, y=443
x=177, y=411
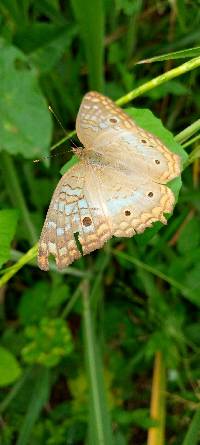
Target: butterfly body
x=117, y=188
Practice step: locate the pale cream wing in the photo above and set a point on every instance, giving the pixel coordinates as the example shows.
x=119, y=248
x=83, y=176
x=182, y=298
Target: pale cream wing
x=106, y=129
x=76, y=208
x=133, y=202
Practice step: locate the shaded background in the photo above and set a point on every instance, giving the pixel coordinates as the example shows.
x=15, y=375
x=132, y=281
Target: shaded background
x=144, y=295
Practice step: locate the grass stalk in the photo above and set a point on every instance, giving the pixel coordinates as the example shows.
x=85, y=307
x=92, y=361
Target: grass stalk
x=159, y=80
x=28, y=256
x=188, y=132
x=191, y=141
x=90, y=16
x=156, y=434
x=100, y=432
x=195, y=154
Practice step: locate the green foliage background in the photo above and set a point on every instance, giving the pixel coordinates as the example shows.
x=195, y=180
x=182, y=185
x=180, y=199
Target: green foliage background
x=80, y=349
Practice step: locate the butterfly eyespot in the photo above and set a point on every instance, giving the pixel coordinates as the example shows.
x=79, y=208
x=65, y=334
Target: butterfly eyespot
x=157, y=161
x=113, y=120
x=150, y=194
x=87, y=221
x=127, y=212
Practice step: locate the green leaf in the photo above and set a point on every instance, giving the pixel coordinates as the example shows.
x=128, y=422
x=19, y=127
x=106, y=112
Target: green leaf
x=27, y=132
x=9, y=367
x=41, y=39
x=183, y=54
x=8, y=223
x=33, y=304
x=69, y=164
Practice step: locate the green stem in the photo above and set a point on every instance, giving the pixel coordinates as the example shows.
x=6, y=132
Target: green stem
x=158, y=409
x=171, y=74
x=15, y=193
x=68, y=136
x=195, y=154
x=23, y=260
x=71, y=302
x=188, y=132
x=28, y=257
x=191, y=141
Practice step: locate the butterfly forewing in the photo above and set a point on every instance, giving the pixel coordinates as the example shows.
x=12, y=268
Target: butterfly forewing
x=105, y=128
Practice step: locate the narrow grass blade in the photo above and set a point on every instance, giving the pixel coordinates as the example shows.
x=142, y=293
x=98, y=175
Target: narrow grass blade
x=100, y=432
x=183, y=54
x=90, y=16
x=193, y=434
x=37, y=401
x=176, y=284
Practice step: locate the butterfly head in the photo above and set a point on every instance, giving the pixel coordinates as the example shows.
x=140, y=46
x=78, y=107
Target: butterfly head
x=78, y=151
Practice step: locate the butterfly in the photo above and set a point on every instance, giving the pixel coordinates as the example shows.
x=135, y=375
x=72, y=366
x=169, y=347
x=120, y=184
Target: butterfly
x=118, y=187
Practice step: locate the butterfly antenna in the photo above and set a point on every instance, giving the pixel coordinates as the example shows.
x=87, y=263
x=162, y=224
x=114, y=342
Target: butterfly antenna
x=61, y=125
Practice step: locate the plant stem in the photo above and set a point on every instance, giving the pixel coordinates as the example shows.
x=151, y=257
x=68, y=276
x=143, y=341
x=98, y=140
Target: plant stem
x=15, y=193
x=195, y=154
x=188, y=132
x=175, y=72
x=71, y=302
x=28, y=256
x=156, y=434
x=68, y=136
x=191, y=141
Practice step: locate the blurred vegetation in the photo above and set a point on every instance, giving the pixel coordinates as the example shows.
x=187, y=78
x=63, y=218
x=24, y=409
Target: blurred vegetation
x=108, y=351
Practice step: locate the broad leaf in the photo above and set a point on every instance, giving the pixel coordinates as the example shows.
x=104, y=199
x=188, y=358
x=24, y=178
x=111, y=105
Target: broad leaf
x=9, y=367
x=27, y=132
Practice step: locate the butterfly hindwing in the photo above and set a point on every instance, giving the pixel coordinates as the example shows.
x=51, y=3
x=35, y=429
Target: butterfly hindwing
x=73, y=210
